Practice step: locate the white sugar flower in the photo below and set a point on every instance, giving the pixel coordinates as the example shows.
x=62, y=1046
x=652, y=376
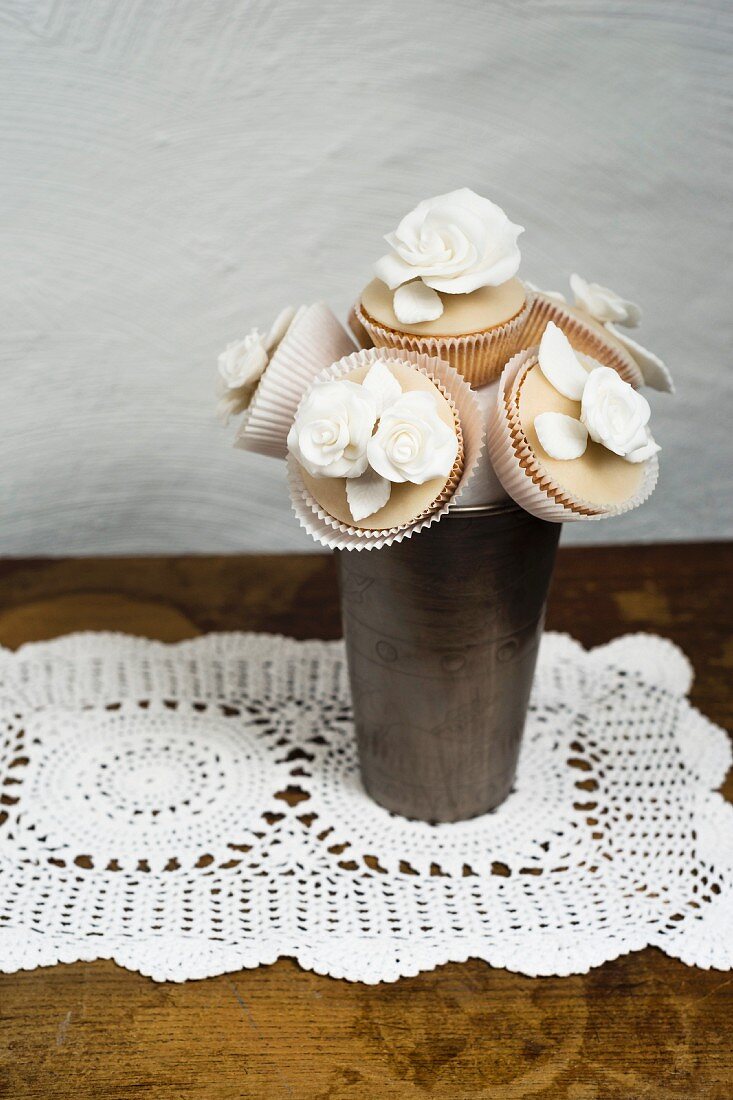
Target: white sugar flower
x=412, y=442
x=455, y=243
x=616, y=415
x=243, y=362
x=611, y=310
x=604, y=304
x=332, y=428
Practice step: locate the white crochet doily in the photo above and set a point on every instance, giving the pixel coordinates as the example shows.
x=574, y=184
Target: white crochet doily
x=146, y=818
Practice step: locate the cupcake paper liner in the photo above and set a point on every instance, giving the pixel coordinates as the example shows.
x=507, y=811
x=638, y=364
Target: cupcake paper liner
x=477, y=356
x=331, y=532
x=521, y=472
x=485, y=487
x=314, y=340
x=584, y=337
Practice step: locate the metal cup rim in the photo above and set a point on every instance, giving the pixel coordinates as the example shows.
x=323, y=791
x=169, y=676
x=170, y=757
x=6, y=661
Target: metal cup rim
x=470, y=510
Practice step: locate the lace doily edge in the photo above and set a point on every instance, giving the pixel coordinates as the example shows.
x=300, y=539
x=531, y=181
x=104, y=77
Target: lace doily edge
x=548, y=959
x=55, y=647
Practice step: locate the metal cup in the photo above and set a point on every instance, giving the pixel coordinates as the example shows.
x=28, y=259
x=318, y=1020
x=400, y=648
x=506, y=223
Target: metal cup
x=442, y=632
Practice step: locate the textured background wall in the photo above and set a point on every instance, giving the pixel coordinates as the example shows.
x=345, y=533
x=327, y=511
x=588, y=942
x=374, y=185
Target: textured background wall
x=172, y=173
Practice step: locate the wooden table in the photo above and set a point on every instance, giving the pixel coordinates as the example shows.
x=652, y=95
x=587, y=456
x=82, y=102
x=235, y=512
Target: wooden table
x=644, y=1026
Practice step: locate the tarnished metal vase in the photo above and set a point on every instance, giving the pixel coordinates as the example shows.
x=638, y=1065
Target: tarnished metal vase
x=442, y=632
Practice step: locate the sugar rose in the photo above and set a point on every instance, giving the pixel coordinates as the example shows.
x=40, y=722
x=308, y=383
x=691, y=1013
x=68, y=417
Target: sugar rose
x=412, y=443
x=332, y=428
x=604, y=304
x=616, y=415
x=453, y=243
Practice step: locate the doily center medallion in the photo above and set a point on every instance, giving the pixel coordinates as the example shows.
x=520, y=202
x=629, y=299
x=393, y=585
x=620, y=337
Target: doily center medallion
x=152, y=782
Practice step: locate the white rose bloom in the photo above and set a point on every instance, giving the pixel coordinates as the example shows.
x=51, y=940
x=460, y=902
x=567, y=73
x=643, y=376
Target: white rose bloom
x=332, y=428
x=455, y=243
x=243, y=362
x=616, y=415
x=604, y=304
x=412, y=443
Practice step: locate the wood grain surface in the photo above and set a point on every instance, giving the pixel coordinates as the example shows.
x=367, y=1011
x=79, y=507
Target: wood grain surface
x=644, y=1026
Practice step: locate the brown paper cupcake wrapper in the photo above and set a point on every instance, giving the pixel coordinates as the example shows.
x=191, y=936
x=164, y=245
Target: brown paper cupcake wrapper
x=479, y=357
x=314, y=340
x=331, y=532
x=520, y=471
x=584, y=336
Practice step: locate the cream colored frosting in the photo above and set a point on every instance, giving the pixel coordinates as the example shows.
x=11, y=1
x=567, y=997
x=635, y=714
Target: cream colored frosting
x=406, y=501
x=598, y=476
x=482, y=309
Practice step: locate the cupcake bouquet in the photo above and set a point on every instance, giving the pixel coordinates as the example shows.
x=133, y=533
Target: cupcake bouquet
x=455, y=384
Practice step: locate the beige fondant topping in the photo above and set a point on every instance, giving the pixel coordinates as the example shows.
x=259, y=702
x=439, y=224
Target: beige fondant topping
x=482, y=309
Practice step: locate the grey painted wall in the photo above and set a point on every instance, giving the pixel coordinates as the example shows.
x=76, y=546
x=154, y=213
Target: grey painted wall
x=174, y=173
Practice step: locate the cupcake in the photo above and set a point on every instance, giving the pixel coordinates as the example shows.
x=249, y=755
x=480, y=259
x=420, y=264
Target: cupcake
x=263, y=376
x=448, y=288
x=569, y=438
x=377, y=447
x=595, y=326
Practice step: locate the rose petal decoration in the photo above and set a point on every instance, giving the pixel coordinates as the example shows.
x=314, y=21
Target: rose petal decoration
x=331, y=430
x=383, y=385
x=614, y=413
x=559, y=363
x=653, y=370
x=604, y=304
x=411, y=442
x=367, y=494
x=455, y=243
x=416, y=302
x=562, y=437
